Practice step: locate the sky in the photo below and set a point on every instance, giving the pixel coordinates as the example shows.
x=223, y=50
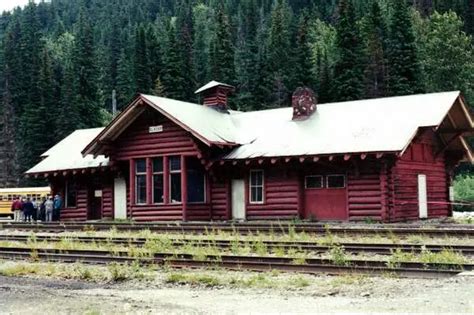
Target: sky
x=6, y=5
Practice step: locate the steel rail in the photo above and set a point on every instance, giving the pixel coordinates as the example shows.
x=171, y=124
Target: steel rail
x=375, y=248
x=200, y=228
x=255, y=263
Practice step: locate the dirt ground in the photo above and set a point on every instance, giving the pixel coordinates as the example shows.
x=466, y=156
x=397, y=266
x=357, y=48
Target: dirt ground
x=24, y=295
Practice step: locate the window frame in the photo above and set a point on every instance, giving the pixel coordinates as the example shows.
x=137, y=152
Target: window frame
x=204, y=178
x=170, y=173
x=66, y=195
x=262, y=186
x=136, y=174
x=323, y=182
x=153, y=174
x=336, y=175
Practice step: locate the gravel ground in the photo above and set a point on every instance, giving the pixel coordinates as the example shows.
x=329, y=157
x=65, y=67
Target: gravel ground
x=377, y=295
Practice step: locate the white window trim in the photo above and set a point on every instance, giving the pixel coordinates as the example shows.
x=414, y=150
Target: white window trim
x=263, y=187
x=153, y=173
x=334, y=175
x=136, y=182
x=306, y=182
x=170, y=172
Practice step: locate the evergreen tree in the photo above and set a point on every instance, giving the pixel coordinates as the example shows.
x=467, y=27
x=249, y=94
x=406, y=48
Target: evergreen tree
x=348, y=83
x=376, y=71
x=125, y=86
x=448, y=52
x=280, y=54
x=304, y=68
x=404, y=69
x=201, y=43
x=85, y=87
x=141, y=62
x=222, y=50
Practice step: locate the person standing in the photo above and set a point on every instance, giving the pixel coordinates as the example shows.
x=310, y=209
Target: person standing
x=42, y=210
x=48, y=207
x=28, y=210
x=16, y=209
x=57, y=208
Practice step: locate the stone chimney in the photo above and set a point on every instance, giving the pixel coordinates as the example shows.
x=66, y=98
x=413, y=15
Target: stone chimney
x=215, y=94
x=304, y=103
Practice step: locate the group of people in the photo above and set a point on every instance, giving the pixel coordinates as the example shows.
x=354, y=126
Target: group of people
x=29, y=209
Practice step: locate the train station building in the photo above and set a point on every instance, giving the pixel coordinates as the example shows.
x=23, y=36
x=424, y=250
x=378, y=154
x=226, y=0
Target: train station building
x=387, y=159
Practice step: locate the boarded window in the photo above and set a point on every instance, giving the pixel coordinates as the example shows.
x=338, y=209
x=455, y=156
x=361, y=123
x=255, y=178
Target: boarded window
x=195, y=181
x=256, y=186
x=314, y=182
x=336, y=181
x=158, y=180
x=175, y=179
x=140, y=181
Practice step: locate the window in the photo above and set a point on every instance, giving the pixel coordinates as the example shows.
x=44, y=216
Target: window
x=175, y=179
x=140, y=181
x=256, y=186
x=158, y=180
x=335, y=181
x=314, y=182
x=71, y=195
x=195, y=181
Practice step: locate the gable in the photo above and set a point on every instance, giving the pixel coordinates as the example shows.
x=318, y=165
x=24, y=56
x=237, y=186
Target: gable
x=152, y=134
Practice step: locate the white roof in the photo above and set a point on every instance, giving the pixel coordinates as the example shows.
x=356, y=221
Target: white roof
x=66, y=155
x=375, y=125
x=204, y=122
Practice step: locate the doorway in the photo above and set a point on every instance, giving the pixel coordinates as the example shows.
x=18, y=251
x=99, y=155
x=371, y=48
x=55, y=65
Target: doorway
x=325, y=197
x=238, y=199
x=95, y=204
x=120, y=198
x=422, y=197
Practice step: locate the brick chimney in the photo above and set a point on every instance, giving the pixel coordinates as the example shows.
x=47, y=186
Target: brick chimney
x=304, y=103
x=215, y=94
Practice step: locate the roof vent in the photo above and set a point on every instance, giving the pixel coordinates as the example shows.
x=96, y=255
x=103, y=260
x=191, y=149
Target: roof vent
x=304, y=103
x=215, y=94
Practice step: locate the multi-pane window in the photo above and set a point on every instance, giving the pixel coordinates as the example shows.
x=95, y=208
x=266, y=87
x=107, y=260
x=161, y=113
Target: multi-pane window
x=175, y=179
x=71, y=195
x=195, y=181
x=336, y=181
x=256, y=186
x=314, y=182
x=140, y=181
x=158, y=180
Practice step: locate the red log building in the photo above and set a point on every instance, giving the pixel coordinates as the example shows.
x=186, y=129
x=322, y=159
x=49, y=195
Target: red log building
x=388, y=159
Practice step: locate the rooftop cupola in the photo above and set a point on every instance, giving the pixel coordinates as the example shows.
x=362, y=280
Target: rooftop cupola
x=304, y=103
x=215, y=94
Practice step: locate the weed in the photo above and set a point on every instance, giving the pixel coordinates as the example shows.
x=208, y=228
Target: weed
x=192, y=279
x=338, y=255
x=299, y=282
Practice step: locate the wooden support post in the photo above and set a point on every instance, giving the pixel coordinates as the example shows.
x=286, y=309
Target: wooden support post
x=132, y=183
x=184, y=188
x=166, y=180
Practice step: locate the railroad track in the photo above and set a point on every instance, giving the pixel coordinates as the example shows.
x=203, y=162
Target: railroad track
x=354, y=248
x=253, y=263
x=251, y=228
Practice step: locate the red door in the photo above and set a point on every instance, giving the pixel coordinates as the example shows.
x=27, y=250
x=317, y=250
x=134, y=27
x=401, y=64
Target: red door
x=325, y=197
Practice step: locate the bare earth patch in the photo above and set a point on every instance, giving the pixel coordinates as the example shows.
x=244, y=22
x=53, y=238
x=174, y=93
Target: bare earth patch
x=268, y=293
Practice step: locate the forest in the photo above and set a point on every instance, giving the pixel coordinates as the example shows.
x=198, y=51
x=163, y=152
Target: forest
x=62, y=60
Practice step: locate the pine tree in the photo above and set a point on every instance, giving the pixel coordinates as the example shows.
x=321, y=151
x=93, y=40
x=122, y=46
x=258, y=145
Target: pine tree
x=376, y=71
x=125, y=86
x=201, y=43
x=404, y=69
x=348, y=83
x=280, y=54
x=304, y=68
x=85, y=87
x=222, y=50
x=141, y=63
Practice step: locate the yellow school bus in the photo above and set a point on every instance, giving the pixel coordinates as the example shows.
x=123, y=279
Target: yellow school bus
x=8, y=194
